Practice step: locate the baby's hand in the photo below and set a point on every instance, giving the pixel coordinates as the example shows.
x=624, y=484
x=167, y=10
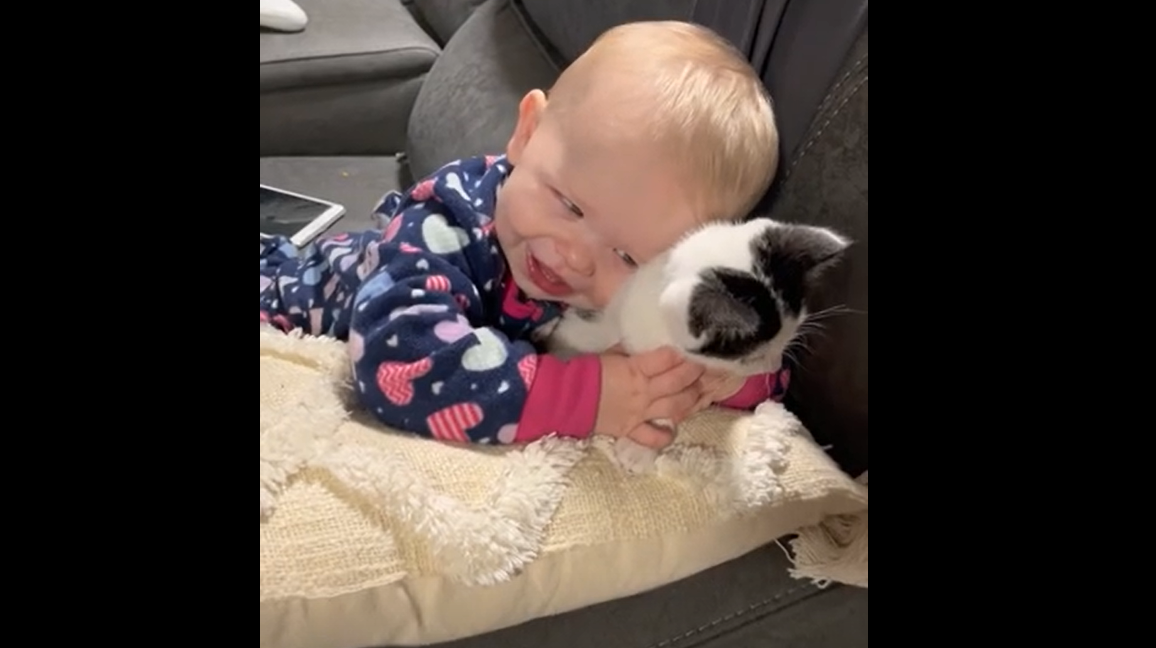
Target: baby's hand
x=717, y=386
x=658, y=384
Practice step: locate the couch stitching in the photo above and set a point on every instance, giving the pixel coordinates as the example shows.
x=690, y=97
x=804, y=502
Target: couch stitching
x=826, y=123
x=723, y=619
x=839, y=84
x=549, y=52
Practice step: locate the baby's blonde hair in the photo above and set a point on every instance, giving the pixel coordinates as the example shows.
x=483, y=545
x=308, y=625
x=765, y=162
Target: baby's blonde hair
x=696, y=94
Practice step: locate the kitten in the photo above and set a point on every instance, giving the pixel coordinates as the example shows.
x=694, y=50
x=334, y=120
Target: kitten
x=730, y=296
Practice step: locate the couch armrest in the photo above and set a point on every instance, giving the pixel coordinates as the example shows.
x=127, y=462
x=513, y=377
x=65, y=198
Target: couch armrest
x=346, y=84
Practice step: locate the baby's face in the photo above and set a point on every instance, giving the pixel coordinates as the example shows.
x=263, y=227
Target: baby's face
x=581, y=210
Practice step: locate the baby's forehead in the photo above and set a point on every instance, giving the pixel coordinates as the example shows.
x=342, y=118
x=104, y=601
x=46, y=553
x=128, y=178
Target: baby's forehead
x=647, y=234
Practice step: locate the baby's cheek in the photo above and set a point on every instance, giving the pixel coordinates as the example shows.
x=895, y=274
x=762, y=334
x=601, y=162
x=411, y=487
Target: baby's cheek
x=600, y=294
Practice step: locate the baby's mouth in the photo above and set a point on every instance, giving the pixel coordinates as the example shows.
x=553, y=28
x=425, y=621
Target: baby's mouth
x=545, y=278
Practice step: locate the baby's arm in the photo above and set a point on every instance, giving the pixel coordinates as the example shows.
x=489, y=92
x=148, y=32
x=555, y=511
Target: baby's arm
x=421, y=365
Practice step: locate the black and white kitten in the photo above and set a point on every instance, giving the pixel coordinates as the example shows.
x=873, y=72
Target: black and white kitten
x=730, y=296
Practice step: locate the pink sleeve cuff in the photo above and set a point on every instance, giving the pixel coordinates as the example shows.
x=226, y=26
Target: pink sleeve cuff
x=563, y=398
x=754, y=391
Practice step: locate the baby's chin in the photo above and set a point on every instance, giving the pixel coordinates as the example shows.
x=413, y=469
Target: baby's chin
x=576, y=300
x=581, y=302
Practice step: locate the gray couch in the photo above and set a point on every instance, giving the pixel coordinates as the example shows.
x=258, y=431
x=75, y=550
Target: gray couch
x=376, y=92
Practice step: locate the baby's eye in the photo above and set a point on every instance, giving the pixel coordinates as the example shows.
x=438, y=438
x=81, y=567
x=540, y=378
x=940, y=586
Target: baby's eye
x=571, y=206
x=626, y=258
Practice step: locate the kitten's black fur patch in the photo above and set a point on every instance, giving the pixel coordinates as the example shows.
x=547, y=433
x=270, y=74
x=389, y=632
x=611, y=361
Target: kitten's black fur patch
x=737, y=311
x=792, y=257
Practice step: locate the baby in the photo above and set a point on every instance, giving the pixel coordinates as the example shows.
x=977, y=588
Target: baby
x=656, y=129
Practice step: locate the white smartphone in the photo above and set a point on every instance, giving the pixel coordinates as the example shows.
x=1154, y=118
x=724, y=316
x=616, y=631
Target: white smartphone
x=302, y=218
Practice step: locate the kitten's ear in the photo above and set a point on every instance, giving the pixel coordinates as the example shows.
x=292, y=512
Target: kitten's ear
x=795, y=257
x=819, y=248
x=804, y=250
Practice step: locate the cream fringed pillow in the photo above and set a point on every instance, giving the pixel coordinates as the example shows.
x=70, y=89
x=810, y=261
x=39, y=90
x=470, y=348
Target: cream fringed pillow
x=372, y=537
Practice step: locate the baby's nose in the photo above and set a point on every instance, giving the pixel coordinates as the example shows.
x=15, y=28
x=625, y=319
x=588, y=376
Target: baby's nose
x=577, y=257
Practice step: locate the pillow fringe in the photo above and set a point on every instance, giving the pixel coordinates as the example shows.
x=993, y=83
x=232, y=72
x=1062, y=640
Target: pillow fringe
x=835, y=550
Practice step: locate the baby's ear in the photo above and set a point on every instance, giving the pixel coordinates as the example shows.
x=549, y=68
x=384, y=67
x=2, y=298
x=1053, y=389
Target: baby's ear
x=529, y=111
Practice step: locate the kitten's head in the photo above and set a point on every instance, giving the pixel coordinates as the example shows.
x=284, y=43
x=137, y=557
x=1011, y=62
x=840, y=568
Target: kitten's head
x=736, y=293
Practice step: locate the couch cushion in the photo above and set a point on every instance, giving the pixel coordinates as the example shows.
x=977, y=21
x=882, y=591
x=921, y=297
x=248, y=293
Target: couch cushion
x=371, y=537
x=445, y=16
x=469, y=103
x=346, y=84
x=570, y=27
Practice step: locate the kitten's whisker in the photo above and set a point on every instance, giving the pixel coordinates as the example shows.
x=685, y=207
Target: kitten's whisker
x=796, y=361
x=795, y=345
x=805, y=348
x=805, y=342
x=803, y=332
x=807, y=327
x=801, y=339
x=833, y=311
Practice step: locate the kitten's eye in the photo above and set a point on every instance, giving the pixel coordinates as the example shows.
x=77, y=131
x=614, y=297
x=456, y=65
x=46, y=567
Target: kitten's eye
x=626, y=258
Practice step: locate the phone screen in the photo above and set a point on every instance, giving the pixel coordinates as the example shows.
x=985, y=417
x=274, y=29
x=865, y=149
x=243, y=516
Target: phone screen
x=286, y=214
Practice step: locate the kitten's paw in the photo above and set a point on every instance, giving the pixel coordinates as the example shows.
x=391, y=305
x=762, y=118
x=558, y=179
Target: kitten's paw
x=634, y=458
